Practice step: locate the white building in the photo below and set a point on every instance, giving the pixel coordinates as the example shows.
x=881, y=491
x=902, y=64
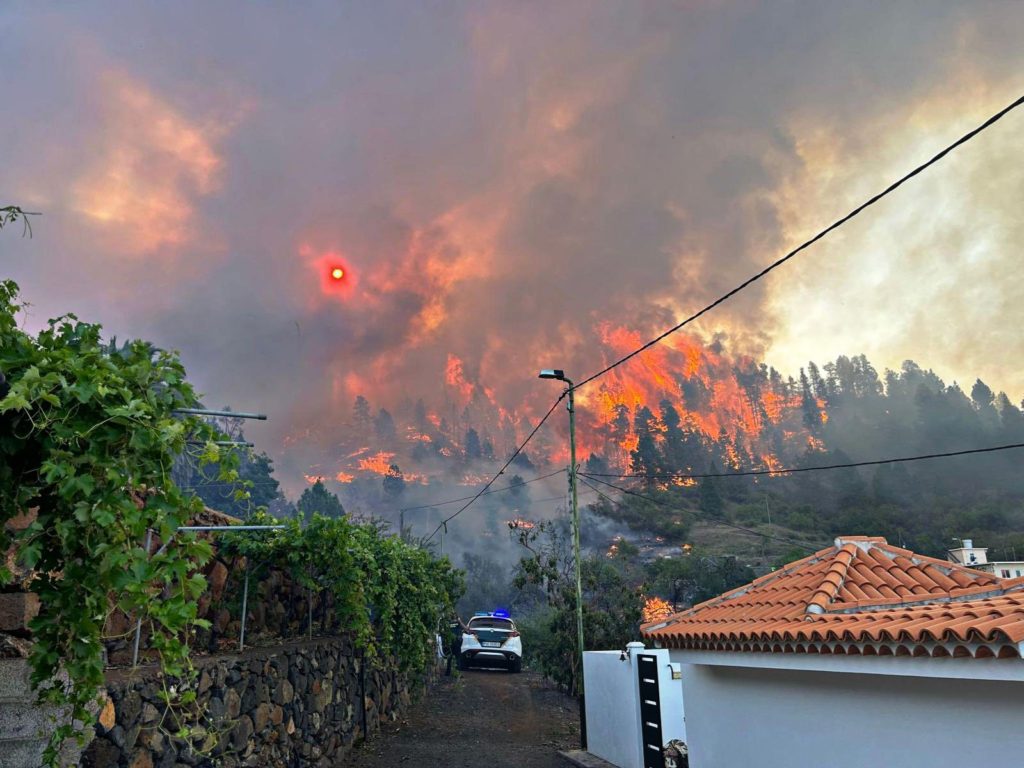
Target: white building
x=977, y=557
x=860, y=655
x=634, y=704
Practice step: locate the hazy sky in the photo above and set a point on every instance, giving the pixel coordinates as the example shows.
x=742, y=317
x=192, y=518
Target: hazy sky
x=505, y=181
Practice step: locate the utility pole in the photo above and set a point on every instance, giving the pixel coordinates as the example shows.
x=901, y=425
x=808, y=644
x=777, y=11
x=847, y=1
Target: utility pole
x=571, y=405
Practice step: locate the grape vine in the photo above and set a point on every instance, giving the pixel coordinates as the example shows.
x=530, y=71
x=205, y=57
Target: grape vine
x=88, y=438
x=386, y=592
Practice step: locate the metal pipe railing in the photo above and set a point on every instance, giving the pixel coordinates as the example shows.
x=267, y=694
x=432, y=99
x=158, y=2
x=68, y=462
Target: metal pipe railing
x=225, y=414
x=209, y=528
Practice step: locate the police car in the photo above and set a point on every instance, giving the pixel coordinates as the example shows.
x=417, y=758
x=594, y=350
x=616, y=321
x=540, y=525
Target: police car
x=491, y=639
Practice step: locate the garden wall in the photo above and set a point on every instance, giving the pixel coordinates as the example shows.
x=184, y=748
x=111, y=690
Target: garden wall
x=303, y=703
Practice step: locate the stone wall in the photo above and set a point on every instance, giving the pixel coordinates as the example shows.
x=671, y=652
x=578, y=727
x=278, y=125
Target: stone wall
x=278, y=609
x=23, y=723
x=298, y=704
x=285, y=701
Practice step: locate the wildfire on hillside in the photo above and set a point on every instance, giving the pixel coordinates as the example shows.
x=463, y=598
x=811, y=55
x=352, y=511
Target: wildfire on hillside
x=683, y=406
x=378, y=463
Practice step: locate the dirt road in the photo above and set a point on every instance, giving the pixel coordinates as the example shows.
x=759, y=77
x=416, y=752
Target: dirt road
x=483, y=719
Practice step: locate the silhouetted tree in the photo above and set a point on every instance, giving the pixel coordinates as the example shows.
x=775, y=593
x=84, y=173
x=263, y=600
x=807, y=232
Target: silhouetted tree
x=595, y=464
x=361, y=416
x=394, y=482
x=645, y=459
x=318, y=500
x=473, y=448
x=384, y=426
x=420, y=416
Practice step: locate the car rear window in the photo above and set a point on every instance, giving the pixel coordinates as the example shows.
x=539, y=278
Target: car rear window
x=487, y=622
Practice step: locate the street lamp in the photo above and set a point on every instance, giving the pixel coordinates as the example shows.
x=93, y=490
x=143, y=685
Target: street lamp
x=559, y=375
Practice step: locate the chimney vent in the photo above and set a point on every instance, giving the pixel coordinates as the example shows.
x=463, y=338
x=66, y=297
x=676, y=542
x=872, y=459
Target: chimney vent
x=968, y=543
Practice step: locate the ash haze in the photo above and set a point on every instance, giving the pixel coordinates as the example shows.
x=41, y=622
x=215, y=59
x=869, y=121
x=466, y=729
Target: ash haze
x=502, y=180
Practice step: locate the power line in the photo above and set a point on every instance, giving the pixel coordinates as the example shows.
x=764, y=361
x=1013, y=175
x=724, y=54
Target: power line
x=561, y=497
x=482, y=491
x=595, y=489
x=835, y=225
x=488, y=493
x=790, y=470
x=718, y=520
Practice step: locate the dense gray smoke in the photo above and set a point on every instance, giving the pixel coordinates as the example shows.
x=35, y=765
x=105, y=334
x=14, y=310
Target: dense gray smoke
x=504, y=184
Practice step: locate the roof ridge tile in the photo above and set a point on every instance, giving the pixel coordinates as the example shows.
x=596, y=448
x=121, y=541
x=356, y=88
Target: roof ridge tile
x=833, y=579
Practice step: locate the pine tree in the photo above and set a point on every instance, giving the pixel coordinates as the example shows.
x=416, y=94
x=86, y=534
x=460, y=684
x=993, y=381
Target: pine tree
x=1010, y=417
x=809, y=404
x=673, y=448
x=645, y=459
x=394, y=482
x=384, y=426
x=318, y=500
x=474, y=450
x=361, y=416
x=984, y=401
x=420, y=416
x=817, y=383
x=596, y=465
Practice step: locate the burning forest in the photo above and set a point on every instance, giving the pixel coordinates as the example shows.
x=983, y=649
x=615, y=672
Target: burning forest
x=688, y=406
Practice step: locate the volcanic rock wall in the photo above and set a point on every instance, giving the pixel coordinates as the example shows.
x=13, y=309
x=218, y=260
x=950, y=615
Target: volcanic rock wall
x=303, y=703
x=287, y=700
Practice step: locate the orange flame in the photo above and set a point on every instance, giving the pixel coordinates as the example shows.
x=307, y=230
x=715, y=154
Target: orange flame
x=521, y=523
x=378, y=463
x=455, y=377
x=655, y=609
x=706, y=389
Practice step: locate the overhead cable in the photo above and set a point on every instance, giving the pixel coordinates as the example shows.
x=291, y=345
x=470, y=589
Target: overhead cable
x=720, y=521
x=791, y=470
x=444, y=523
x=496, y=490
x=835, y=225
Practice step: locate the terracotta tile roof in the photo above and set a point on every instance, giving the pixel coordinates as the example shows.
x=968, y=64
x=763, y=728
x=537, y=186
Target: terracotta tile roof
x=859, y=596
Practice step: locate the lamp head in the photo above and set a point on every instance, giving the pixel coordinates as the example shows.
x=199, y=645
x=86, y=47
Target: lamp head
x=552, y=373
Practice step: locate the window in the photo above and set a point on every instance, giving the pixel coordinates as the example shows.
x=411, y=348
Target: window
x=1005, y=573
x=1018, y=571
x=487, y=622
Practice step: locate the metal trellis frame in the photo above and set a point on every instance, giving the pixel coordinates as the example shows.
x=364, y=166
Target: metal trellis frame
x=205, y=529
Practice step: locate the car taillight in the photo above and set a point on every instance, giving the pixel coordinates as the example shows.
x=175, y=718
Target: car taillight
x=513, y=633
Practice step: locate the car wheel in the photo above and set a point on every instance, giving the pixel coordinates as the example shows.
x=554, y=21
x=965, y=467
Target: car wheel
x=515, y=665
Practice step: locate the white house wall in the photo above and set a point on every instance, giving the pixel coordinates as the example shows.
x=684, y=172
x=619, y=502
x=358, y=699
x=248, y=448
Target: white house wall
x=776, y=718
x=613, y=711
x=613, y=704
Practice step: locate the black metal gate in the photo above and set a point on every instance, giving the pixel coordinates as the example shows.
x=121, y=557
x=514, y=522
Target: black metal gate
x=650, y=711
